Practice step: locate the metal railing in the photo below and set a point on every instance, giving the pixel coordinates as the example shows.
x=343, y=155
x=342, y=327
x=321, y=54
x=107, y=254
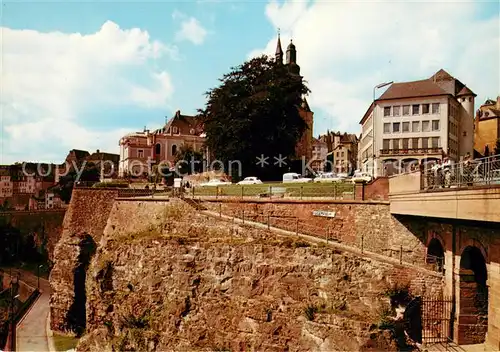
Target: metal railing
x=477, y=172
x=411, y=151
x=340, y=190
x=329, y=233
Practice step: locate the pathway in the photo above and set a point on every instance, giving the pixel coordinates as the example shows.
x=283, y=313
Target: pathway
x=31, y=330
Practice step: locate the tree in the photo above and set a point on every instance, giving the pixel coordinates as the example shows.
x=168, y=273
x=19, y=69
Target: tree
x=254, y=112
x=496, y=151
x=188, y=160
x=64, y=188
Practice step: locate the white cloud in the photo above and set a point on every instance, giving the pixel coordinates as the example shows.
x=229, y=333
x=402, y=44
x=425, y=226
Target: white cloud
x=48, y=79
x=346, y=48
x=191, y=30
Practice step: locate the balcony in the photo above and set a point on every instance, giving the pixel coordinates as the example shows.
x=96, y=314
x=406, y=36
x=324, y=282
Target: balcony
x=411, y=151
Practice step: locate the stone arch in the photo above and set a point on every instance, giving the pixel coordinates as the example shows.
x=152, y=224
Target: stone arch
x=473, y=296
x=435, y=253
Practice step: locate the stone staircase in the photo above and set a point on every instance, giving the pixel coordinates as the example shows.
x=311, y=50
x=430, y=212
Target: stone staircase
x=195, y=203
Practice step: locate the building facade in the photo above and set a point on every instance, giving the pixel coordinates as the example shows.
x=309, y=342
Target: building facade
x=487, y=127
x=417, y=122
x=319, y=153
x=342, y=151
x=141, y=150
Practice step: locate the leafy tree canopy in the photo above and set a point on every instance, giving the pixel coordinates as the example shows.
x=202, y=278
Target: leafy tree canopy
x=188, y=160
x=254, y=112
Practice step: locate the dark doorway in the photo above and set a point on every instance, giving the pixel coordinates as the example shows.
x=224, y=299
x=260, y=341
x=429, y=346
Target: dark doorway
x=435, y=255
x=473, y=313
x=76, y=316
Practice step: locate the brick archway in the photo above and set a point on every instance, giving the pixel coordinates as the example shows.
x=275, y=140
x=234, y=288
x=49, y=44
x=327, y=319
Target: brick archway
x=473, y=296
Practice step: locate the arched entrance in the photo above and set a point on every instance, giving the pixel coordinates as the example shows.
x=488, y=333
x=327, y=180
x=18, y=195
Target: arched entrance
x=473, y=299
x=435, y=255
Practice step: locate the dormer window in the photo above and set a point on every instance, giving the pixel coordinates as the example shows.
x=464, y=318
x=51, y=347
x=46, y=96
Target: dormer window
x=175, y=130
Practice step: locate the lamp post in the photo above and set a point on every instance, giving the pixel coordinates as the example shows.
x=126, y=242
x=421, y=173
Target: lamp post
x=378, y=86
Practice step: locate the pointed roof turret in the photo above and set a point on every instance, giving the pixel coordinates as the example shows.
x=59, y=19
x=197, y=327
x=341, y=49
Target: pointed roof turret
x=279, y=51
x=466, y=91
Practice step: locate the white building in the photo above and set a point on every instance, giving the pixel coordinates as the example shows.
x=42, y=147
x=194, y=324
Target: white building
x=417, y=122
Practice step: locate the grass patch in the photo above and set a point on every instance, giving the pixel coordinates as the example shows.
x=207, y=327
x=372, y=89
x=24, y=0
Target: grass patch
x=64, y=343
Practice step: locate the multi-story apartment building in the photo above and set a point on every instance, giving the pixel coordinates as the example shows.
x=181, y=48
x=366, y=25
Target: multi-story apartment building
x=417, y=122
x=343, y=151
x=319, y=152
x=140, y=150
x=6, y=185
x=487, y=127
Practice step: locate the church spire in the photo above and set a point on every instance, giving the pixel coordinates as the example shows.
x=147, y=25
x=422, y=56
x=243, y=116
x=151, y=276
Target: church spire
x=279, y=51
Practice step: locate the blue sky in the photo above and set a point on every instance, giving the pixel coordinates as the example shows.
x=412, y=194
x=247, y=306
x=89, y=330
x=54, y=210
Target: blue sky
x=81, y=74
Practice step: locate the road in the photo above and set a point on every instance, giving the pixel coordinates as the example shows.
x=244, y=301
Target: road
x=31, y=331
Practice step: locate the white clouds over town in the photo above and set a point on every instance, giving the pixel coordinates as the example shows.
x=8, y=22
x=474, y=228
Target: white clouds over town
x=48, y=79
x=346, y=48
x=190, y=29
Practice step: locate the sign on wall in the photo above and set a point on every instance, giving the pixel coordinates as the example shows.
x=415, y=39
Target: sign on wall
x=323, y=213
x=177, y=182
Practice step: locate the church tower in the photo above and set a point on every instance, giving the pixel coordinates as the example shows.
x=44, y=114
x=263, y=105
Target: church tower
x=279, y=52
x=291, y=59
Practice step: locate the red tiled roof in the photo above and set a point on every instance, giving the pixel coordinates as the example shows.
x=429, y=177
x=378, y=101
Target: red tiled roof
x=422, y=88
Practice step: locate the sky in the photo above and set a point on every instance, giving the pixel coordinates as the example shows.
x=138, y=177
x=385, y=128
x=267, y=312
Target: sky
x=79, y=75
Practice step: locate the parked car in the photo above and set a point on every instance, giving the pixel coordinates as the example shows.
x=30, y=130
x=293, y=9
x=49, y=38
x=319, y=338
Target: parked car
x=252, y=180
x=215, y=182
x=295, y=178
x=361, y=177
x=328, y=177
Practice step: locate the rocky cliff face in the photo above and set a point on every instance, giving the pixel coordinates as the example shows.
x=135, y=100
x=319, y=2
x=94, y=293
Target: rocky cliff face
x=167, y=278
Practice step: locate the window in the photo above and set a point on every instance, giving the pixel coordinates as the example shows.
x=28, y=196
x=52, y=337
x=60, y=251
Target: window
x=435, y=108
x=395, y=127
x=387, y=128
x=415, y=126
x=158, y=149
x=435, y=142
x=385, y=144
x=405, y=143
x=425, y=108
x=406, y=109
x=395, y=144
x=414, y=143
x=425, y=142
x=174, y=149
x=435, y=125
x=395, y=110
x=342, y=154
x=140, y=153
x=425, y=126
x=337, y=154
x=387, y=111
x=175, y=129
x=406, y=127
x=415, y=109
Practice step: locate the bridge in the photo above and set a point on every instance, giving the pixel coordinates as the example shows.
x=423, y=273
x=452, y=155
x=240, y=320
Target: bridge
x=457, y=209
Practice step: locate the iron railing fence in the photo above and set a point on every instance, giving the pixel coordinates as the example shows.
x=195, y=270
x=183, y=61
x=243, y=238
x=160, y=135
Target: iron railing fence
x=477, y=172
x=341, y=191
x=332, y=233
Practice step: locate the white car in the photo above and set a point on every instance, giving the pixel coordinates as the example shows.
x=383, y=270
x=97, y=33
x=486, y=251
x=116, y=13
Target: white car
x=295, y=178
x=361, y=177
x=328, y=177
x=215, y=182
x=250, y=181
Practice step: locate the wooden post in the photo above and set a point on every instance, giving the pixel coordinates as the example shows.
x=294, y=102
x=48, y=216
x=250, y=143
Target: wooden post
x=297, y=228
x=401, y=255
x=301, y=189
x=362, y=242
x=270, y=191
x=242, y=192
x=268, y=221
x=220, y=210
x=335, y=190
x=216, y=192
x=328, y=234
x=243, y=216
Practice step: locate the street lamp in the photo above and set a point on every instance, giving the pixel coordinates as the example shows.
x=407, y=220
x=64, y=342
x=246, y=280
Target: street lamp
x=378, y=86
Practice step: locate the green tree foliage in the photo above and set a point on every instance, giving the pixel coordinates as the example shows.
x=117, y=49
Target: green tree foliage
x=254, y=112
x=188, y=160
x=90, y=173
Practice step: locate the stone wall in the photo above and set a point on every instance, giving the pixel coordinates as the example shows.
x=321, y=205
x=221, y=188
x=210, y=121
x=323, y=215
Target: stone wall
x=166, y=277
x=366, y=225
x=44, y=225
x=83, y=227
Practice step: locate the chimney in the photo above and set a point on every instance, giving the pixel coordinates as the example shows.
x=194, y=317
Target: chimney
x=97, y=151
